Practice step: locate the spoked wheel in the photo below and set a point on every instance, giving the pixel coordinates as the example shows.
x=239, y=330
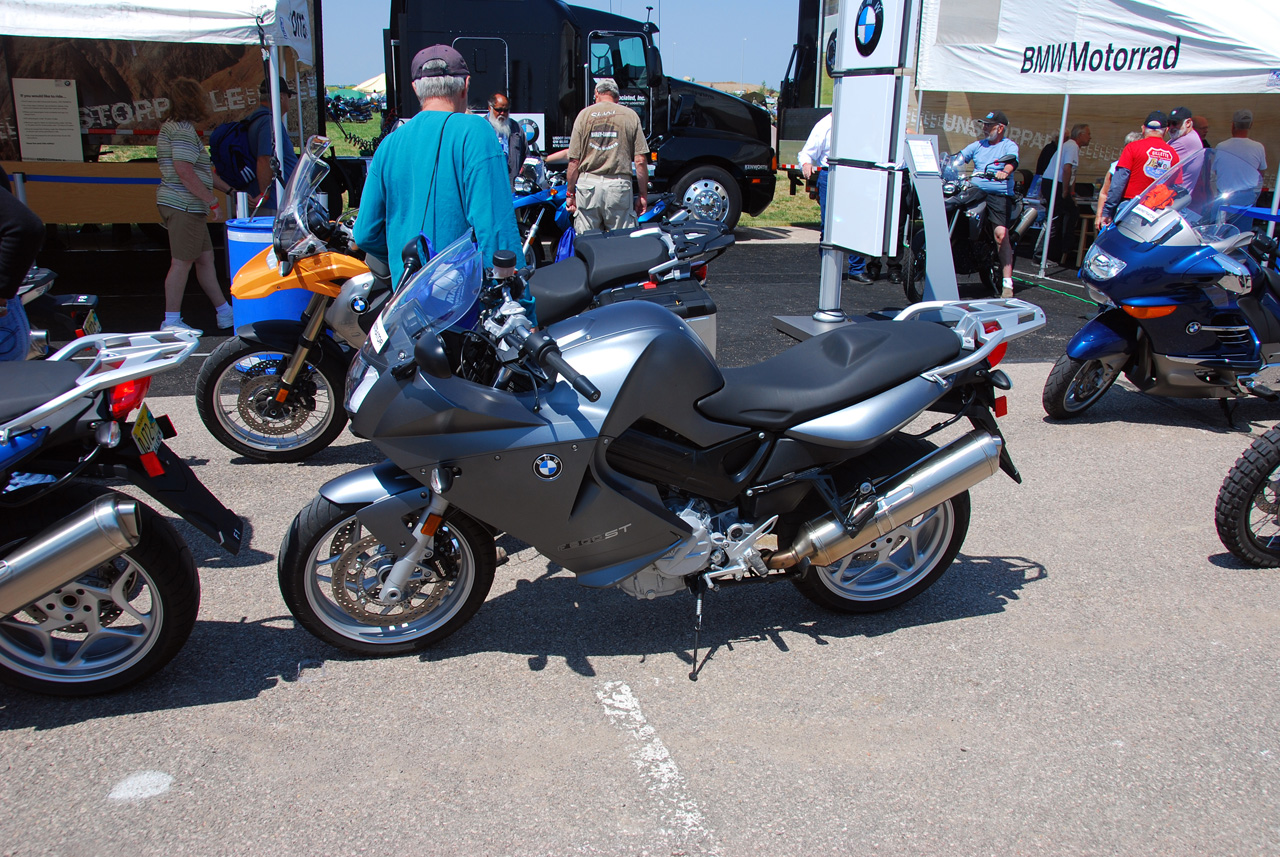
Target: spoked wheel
x=900, y=565
x=1247, y=513
x=332, y=569
x=116, y=624
x=1074, y=386
x=236, y=398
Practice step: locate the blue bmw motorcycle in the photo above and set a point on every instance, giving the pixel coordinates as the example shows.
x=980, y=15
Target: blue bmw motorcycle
x=1187, y=308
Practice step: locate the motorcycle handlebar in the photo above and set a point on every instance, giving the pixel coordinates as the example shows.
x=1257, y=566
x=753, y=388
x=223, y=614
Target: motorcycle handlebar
x=544, y=350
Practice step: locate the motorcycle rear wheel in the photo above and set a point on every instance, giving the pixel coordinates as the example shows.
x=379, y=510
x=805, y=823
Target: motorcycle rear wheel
x=236, y=387
x=135, y=612
x=1247, y=514
x=898, y=566
x=1074, y=386
x=331, y=568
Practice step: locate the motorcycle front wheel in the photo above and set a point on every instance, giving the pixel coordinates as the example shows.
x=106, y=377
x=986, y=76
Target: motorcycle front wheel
x=896, y=567
x=331, y=571
x=1074, y=386
x=114, y=625
x=1247, y=513
x=235, y=396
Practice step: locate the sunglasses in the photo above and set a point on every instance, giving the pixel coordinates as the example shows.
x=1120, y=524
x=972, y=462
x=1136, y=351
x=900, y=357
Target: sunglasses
x=501, y=110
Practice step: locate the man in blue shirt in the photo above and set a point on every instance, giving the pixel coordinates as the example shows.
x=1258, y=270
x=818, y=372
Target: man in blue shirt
x=262, y=146
x=441, y=174
x=994, y=160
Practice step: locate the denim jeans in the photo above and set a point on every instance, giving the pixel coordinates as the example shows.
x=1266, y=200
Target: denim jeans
x=15, y=333
x=857, y=263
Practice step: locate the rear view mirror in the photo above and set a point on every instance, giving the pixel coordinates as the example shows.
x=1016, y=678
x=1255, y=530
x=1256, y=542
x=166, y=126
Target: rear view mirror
x=430, y=356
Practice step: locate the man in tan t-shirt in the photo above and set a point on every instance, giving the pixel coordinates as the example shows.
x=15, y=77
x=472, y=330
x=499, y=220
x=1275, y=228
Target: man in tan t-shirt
x=607, y=139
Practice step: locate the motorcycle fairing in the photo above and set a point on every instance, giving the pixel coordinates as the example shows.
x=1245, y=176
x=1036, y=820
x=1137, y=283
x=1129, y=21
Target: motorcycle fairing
x=322, y=273
x=1108, y=335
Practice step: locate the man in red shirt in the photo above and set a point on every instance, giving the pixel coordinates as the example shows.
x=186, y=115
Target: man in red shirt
x=1141, y=163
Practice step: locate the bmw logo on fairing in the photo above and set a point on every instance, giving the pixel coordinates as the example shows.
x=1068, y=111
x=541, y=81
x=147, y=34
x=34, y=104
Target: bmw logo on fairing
x=547, y=467
x=359, y=304
x=866, y=33
x=1193, y=328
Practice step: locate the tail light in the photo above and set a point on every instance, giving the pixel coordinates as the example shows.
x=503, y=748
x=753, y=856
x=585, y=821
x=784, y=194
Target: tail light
x=998, y=353
x=127, y=396
x=700, y=272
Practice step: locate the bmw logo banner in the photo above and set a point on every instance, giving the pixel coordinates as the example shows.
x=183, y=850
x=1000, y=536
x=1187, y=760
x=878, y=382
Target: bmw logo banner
x=866, y=34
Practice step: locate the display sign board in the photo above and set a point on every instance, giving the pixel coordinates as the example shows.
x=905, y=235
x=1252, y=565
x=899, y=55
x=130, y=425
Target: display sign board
x=48, y=119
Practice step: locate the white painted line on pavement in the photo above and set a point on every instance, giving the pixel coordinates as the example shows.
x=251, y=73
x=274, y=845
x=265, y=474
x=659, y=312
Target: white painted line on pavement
x=140, y=786
x=678, y=811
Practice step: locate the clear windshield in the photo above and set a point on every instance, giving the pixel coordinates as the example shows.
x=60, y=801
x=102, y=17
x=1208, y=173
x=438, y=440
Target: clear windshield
x=290, y=235
x=441, y=294
x=1196, y=201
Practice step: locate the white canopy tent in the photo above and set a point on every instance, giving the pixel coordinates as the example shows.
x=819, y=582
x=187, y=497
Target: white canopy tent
x=225, y=22
x=1100, y=47
x=377, y=85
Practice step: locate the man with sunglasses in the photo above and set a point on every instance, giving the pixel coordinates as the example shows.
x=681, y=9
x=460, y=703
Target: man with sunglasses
x=994, y=158
x=510, y=134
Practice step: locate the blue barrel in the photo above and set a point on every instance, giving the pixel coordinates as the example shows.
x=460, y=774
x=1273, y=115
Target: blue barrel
x=246, y=238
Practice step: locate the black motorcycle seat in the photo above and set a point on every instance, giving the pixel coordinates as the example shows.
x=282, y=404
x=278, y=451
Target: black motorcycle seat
x=560, y=290
x=613, y=260
x=830, y=371
x=28, y=384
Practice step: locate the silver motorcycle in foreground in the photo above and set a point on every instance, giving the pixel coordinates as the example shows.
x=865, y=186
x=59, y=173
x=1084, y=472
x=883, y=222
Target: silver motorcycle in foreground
x=613, y=443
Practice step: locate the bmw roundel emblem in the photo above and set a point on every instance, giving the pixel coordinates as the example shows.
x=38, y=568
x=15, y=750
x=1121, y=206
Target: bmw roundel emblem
x=866, y=33
x=547, y=467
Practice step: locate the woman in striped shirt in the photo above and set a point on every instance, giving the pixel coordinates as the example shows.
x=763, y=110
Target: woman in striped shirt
x=187, y=202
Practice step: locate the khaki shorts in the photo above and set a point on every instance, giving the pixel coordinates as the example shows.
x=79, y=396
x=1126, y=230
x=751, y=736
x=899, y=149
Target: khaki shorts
x=188, y=233
x=603, y=203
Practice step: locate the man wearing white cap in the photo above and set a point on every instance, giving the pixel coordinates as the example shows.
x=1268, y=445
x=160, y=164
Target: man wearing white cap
x=607, y=139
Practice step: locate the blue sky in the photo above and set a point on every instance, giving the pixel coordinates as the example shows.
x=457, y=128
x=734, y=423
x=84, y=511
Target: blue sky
x=699, y=38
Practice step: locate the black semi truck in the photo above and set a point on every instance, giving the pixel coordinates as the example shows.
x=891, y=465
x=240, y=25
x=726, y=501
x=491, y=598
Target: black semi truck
x=713, y=150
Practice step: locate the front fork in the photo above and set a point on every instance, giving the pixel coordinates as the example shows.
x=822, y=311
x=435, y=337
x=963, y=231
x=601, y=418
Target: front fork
x=423, y=548
x=310, y=334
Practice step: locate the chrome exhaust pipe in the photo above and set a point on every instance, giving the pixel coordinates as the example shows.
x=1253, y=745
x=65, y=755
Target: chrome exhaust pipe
x=1028, y=217
x=38, y=345
x=938, y=477
x=100, y=530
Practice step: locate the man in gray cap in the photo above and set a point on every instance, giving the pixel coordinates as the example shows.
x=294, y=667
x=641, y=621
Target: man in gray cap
x=607, y=139
x=1239, y=144
x=1244, y=168
x=441, y=174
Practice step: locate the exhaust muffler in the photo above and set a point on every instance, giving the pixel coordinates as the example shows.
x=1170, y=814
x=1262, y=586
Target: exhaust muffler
x=938, y=477
x=100, y=530
x=1028, y=217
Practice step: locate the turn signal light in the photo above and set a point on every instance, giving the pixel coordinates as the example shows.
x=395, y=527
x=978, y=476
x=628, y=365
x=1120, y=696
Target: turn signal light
x=1149, y=311
x=998, y=354
x=127, y=396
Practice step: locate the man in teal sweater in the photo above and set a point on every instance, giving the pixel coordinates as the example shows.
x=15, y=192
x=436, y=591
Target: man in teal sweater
x=442, y=173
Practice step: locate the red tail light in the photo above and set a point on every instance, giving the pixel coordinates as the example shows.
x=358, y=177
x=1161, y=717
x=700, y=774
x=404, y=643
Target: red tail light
x=700, y=272
x=998, y=354
x=127, y=397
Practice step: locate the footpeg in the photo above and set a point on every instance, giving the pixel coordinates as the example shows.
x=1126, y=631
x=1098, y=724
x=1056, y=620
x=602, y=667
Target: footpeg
x=1262, y=391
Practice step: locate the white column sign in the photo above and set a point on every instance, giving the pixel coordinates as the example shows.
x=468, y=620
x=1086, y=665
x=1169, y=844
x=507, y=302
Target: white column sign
x=48, y=119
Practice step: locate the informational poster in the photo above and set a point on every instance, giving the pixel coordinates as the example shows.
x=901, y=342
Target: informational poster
x=48, y=119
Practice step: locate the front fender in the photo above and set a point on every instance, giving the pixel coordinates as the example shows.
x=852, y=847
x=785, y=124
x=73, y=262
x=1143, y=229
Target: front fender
x=385, y=495
x=1109, y=334
x=283, y=335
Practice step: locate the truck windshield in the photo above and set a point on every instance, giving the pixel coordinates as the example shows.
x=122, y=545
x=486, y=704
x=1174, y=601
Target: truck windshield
x=621, y=57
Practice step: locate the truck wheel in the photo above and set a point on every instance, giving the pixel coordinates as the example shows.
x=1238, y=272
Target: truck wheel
x=710, y=193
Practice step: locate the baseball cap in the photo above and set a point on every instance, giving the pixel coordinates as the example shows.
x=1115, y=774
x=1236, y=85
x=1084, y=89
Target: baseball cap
x=264, y=88
x=1156, y=120
x=1242, y=117
x=995, y=117
x=607, y=84
x=438, y=61
x=1179, y=115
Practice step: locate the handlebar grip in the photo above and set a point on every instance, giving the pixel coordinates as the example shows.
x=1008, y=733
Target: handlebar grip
x=553, y=360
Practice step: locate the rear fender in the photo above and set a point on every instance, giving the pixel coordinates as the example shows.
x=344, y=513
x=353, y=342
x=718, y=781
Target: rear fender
x=385, y=494
x=283, y=335
x=1108, y=336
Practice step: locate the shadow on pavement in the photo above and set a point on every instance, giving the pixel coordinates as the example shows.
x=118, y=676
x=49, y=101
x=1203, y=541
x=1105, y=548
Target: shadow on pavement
x=1123, y=405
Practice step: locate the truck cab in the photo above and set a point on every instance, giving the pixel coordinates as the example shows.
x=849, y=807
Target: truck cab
x=713, y=151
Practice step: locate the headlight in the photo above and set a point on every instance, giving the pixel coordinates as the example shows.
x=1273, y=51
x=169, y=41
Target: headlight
x=949, y=188
x=1100, y=266
x=360, y=380
x=523, y=185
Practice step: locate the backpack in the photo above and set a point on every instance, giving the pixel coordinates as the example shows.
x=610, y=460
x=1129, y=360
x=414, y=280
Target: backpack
x=232, y=155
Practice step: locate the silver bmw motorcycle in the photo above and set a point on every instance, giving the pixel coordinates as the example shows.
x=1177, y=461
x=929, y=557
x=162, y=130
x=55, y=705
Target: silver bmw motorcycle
x=613, y=443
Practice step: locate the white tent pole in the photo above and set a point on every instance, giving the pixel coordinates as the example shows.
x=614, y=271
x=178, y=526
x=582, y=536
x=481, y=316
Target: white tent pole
x=273, y=59
x=1053, y=191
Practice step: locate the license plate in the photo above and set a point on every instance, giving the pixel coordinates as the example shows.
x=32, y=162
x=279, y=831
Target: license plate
x=146, y=432
x=378, y=335
x=91, y=324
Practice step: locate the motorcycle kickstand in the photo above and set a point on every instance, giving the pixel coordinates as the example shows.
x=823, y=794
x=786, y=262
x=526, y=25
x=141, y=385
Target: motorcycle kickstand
x=1228, y=411
x=699, y=587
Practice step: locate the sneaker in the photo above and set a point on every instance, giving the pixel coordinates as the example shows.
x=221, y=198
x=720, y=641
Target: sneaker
x=226, y=318
x=181, y=326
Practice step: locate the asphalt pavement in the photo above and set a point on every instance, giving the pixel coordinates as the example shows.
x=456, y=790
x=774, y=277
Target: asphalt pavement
x=1093, y=675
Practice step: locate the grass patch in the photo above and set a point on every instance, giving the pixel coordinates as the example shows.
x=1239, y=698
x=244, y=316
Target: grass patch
x=786, y=210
